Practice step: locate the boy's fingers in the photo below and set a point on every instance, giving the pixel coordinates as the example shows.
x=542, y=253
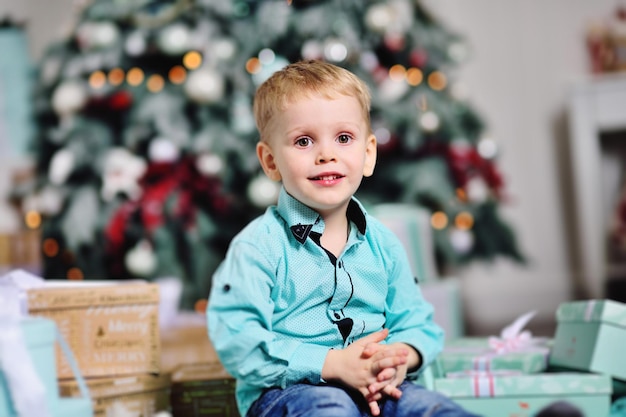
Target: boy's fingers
x=375, y=337
x=374, y=408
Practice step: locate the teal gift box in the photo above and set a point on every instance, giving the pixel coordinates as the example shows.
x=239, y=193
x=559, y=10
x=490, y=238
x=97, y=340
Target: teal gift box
x=476, y=354
x=591, y=336
x=523, y=395
x=39, y=336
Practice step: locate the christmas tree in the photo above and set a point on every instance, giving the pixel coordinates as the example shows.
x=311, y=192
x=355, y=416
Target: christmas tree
x=145, y=146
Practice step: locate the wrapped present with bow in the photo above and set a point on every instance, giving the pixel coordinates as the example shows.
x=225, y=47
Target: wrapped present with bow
x=515, y=350
x=513, y=393
x=590, y=336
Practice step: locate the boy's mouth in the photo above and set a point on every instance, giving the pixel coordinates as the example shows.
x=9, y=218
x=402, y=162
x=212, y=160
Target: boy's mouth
x=327, y=177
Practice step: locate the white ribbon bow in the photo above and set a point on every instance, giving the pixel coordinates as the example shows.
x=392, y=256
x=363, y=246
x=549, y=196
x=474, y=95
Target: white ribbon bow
x=512, y=338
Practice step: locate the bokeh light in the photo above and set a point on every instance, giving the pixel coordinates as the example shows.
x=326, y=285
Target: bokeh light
x=414, y=76
x=32, y=219
x=155, y=83
x=135, y=76
x=192, y=60
x=50, y=247
x=437, y=80
x=75, y=274
x=253, y=65
x=439, y=220
x=464, y=220
x=97, y=80
x=177, y=74
x=116, y=76
x=397, y=72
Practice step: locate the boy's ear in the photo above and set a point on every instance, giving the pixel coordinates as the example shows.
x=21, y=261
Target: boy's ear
x=370, y=156
x=266, y=157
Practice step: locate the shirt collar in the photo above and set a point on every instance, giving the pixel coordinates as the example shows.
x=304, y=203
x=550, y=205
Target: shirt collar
x=302, y=220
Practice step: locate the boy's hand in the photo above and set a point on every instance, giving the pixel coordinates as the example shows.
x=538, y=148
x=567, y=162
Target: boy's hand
x=388, y=378
x=360, y=370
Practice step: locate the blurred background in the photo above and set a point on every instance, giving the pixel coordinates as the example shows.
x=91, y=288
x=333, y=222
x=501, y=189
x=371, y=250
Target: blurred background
x=126, y=144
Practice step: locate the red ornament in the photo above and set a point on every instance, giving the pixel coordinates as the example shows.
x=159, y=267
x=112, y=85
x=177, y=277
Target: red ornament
x=418, y=58
x=120, y=100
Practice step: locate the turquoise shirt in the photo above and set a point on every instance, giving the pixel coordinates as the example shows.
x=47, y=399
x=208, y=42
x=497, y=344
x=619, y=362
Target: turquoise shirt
x=280, y=301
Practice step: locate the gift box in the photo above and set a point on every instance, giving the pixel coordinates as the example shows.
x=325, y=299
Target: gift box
x=140, y=395
x=516, y=394
x=591, y=336
x=112, y=328
x=185, y=341
x=411, y=224
x=39, y=337
x=476, y=354
x=514, y=350
x=445, y=296
x=201, y=390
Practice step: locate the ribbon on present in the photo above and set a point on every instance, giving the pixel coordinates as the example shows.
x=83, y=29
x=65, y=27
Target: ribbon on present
x=483, y=383
x=512, y=339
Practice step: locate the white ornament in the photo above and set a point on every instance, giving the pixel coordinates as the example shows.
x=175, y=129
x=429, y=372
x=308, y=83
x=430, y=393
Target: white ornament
x=209, y=164
x=135, y=43
x=383, y=135
x=163, y=150
x=477, y=190
x=175, y=39
x=205, y=86
x=223, y=48
x=369, y=61
x=379, y=17
x=335, y=50
x=262, y=191
x=141, y=260
x=487, y=148
x=122, y=171
x=429, y=121
x=61, y=166
x=391, y=91
x=97, y=35
x=312, y=49
x=461, y=240
x=69, y=97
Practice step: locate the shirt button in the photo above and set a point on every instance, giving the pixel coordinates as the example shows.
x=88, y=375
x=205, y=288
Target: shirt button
x=226, y=288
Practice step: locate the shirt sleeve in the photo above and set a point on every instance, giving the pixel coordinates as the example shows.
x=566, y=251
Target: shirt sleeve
x=239, y=321
x=409, y=315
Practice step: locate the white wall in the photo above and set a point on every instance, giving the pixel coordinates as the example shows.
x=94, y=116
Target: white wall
x=525, y=54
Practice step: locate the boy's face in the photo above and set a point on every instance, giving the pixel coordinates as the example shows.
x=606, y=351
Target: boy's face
x=320, y=148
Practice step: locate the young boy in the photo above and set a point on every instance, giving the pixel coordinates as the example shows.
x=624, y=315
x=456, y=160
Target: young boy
x=314, y=310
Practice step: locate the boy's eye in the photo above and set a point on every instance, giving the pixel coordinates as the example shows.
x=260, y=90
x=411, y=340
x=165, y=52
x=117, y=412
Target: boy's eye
x=343, y=138
x=303, y=142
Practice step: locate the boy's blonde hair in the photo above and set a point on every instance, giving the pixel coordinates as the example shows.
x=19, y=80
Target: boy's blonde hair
x=303, y=79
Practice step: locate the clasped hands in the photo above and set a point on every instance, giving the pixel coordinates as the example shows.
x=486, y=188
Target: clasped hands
x=375, y=370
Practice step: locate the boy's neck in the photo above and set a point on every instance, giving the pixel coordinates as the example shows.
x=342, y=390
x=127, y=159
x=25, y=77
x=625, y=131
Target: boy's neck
x=336, y=231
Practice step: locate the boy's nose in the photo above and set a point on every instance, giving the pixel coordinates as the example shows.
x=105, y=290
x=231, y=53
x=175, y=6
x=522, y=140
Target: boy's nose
x=325, y=154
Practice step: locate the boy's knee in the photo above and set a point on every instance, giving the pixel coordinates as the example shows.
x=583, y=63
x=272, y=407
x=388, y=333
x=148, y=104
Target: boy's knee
x=329, y=401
